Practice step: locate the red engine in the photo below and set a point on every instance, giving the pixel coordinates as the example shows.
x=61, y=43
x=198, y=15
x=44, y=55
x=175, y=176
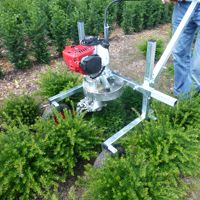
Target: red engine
x=73, y=54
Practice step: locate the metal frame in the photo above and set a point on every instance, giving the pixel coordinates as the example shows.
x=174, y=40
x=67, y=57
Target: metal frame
x=146, y=88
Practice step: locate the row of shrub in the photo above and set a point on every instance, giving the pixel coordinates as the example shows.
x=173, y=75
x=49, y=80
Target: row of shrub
x=32, y=30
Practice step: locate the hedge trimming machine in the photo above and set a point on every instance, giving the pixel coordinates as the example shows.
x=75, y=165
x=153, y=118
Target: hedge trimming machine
x=101, y=84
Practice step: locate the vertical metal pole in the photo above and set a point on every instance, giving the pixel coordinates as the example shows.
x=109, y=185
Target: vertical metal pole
x=81, y=31
x=150, y=59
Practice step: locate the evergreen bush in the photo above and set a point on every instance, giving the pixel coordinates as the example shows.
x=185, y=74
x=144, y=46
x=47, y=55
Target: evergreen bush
x=157, y=155
x=12, y=31
x=37, y=30
x=56, y=80
x=59, y=25
x=139, y=15
x=186, y=113
x=133, y=17
x=22, y=108
x=159, y=47
x=35, y=159
x=69, y=140
x=26, y=172
x=119, y=113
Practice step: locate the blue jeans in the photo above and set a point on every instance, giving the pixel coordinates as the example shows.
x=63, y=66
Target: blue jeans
x=186, y=61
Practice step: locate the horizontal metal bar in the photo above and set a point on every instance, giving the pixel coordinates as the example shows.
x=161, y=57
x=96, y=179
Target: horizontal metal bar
x=108, y=143
x=65, y=94
x=143, y=88
x=165, y=56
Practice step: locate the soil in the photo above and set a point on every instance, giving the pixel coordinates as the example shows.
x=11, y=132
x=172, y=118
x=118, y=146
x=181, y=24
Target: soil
x=125, y=58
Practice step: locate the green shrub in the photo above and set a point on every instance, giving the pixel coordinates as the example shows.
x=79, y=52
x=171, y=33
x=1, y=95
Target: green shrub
x=152, y=13
x=133, y=17
x=159, y=47
x=56, y=80
x=156, y=155
x=168, y=147
x=20, y=108
x=118, y=113
x=37, y=30
x=13, y=35
x=35, y=158
x=186, y=112
x=26, y=172
x=139, y=15
x=59, y=25
x=1, y=72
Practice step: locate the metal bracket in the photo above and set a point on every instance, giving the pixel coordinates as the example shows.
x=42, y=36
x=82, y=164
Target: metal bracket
x=148, y=93
x=59, y=97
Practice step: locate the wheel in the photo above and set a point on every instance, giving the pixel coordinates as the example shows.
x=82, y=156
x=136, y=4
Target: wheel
x=101, y=159
x=48, y=112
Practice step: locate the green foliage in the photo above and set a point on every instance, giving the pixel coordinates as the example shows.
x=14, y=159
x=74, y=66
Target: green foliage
x=152, y=13
x=26, y=172
x=59, y=25
x=118, y=113
x=170, y=70
x=133, y=17
x=1, y=72
x=159, y=47
x=35, y=158
x=186, y=112
x=20, y=108
x=72, y=139
x=56, y=80
x=156, y=155
x=37, y=30
x=12, y=31
x=139, y=15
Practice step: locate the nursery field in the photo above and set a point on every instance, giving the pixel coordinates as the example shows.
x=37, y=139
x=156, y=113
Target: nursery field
x=52, y=156
x=42, y=81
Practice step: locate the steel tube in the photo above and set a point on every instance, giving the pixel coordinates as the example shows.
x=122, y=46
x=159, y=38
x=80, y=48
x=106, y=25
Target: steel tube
x=65, y=94
x=108, y=143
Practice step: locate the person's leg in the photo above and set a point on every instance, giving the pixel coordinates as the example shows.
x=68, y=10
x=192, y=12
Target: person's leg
x=195, y=69
x=182, y=51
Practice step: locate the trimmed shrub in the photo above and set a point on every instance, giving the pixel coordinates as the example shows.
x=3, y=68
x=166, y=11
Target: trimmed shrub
x=121, y=179
x=133, y=17
x=152, y=13
x=185, y=114
x=145, y=14
x=159, y=47
x=37, y=30
x=20, y=108
x=56, y=80
x=13, y=35
x=119, y=113
x=35, y=158
x=68, y=141
x=59, y=25
x=26, y=172
x=156, y=156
